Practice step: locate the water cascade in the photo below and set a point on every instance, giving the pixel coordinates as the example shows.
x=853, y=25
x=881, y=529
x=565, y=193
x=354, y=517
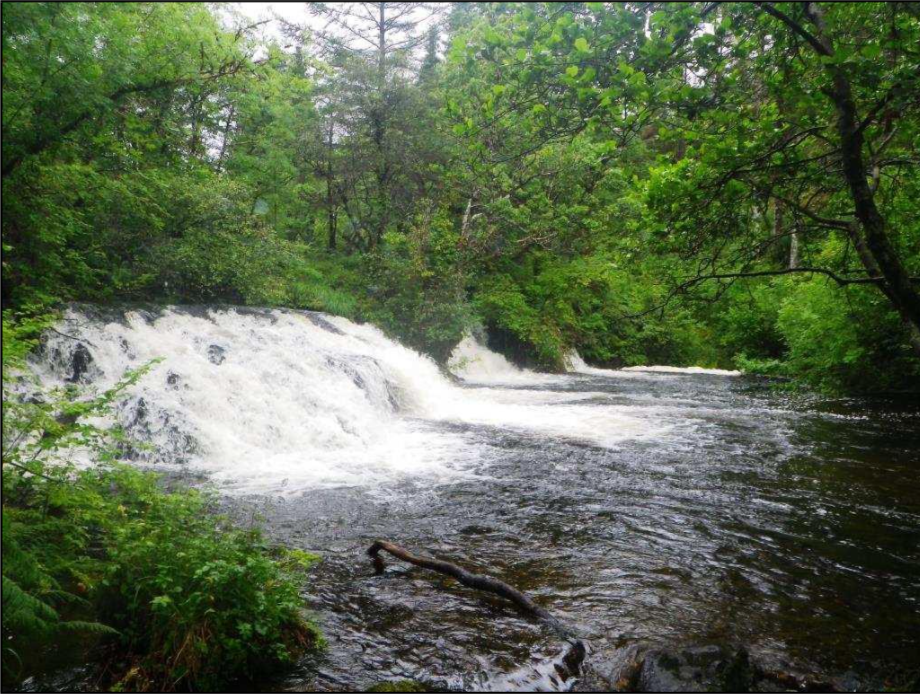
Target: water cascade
x=278, y=401
x=648, y=505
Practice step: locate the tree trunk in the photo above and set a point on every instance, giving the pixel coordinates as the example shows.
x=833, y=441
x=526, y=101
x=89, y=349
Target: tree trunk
x=896, y=282
x=332, y=218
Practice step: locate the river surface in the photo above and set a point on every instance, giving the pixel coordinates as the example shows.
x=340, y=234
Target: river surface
x=643, y=507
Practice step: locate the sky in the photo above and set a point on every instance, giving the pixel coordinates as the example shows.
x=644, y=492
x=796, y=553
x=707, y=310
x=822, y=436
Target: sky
x=294, y=12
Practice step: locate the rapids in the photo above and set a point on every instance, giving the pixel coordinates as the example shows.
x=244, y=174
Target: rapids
x=653, y=505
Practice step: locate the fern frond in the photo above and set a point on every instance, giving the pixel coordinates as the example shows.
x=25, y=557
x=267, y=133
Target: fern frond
x=88, y=627
x=25, y=613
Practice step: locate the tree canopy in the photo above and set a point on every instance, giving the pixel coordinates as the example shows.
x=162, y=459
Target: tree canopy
x=712, y=183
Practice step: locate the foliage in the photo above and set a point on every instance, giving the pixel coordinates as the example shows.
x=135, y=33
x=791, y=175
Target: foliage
x=177, y=592
x=740, y=172
x=555, y=175
x=843, y=341
x=415, y=287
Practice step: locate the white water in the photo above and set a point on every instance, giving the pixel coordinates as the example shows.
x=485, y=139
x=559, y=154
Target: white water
x=576, y=364
x=283, y=401
x=476, y=363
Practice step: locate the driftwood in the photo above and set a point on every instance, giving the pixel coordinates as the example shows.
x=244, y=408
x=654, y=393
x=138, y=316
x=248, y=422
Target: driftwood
x=576, y=653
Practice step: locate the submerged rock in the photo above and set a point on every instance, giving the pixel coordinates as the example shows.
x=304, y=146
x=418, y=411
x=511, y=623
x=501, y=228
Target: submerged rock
x=82, y=360
x=216, y=354
x=695, y=669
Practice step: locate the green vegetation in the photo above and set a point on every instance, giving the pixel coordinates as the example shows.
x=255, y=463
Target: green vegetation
x=551, y=173
x=171, y=594
x=722, y=184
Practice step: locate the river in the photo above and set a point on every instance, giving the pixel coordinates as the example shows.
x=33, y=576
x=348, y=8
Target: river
x=659, y=506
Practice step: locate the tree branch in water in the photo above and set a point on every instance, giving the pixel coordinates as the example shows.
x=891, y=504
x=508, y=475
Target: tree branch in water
x=572, y=660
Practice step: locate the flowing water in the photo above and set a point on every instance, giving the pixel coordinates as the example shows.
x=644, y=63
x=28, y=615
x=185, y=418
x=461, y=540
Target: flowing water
x=661, y=506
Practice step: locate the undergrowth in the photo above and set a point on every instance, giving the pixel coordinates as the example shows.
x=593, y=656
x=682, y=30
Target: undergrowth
x=169, y=594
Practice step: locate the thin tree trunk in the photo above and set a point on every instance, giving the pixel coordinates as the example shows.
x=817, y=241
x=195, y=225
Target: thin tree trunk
x=223, y=144
x=332, y=218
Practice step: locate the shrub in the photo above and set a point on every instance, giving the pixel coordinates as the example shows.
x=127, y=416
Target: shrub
x=181, y=598
x=845, y=339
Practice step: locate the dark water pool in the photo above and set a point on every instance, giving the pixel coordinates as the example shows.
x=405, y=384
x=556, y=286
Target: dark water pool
x=788, y=525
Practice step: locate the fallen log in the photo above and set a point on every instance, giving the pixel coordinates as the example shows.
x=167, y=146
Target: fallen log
x=576, y=653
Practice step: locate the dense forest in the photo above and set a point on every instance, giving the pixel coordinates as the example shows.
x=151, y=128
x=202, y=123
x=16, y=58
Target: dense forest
x=726, y=185
x=712, y=184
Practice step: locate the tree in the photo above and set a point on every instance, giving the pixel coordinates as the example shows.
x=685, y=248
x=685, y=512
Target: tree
x=813, y=107
x=372, y=110
x=109, y=114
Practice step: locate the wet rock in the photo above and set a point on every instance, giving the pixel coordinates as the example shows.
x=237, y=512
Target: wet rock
x=216, y=354
x=139, y=416
x=81, y=361
x=172, y=380
x=697, y=669
x=320, y=321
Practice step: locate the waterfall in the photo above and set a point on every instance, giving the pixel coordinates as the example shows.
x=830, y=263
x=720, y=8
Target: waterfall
x=476, y=363
x=280, y=401
x=575, y=364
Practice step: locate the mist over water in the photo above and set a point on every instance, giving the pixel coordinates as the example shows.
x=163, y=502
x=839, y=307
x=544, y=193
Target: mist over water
x=654, y=505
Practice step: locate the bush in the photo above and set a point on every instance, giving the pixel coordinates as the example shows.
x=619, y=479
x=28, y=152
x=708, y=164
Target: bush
x=198, y=603
x=845, y=339
x=180, y=597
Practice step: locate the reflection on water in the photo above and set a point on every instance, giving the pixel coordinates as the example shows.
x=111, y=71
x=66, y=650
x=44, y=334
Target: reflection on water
x=792, y=527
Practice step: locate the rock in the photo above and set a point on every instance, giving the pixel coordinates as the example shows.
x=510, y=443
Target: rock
x=399, y=686
x=216, y=354
x=320, y=321
x=695, y=669
x=80, y=360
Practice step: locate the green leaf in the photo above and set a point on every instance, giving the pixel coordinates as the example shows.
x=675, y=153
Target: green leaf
x=582, y=44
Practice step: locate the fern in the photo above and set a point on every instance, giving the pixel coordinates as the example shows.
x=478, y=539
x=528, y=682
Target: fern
x=88, y=627
x=25, y=614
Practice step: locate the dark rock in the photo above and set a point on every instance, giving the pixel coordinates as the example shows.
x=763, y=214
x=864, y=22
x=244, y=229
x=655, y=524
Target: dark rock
x=81, y=361
x=637, y=668
x=696, y=669
x=140, y=413
x=216, y=354
x=172, y=380
x=320, y=321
